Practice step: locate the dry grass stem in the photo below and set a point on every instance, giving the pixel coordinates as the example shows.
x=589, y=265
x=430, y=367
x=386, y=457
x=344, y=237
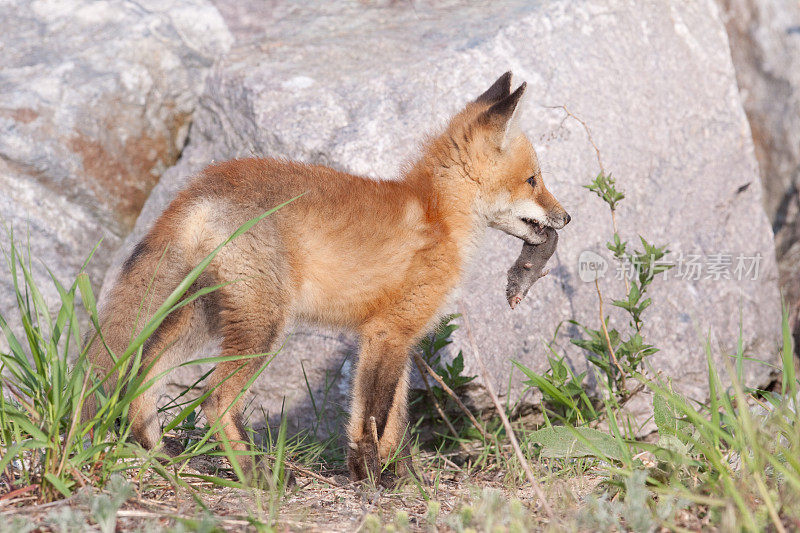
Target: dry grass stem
x=419, y=362
x=310, y=473
x=588, y=133
x=455, y=397
x=599, y=163
x=501, y=412
x=605, y=333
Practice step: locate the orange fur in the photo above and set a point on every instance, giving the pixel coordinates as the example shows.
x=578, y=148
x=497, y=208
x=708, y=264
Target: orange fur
x=379, y=257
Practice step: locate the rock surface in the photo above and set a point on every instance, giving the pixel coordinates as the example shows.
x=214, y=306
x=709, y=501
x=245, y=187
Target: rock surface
x=765, y=46
x=356, y=86
x=95, y=102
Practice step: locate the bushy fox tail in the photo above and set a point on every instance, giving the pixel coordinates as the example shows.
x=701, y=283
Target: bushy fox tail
x=143, y=283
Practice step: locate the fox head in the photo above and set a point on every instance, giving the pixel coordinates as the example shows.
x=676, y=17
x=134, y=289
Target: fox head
x=501, y=164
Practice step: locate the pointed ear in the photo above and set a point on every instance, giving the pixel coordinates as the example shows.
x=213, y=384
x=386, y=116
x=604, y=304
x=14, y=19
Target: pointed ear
x=499, y=90
x=502, y=116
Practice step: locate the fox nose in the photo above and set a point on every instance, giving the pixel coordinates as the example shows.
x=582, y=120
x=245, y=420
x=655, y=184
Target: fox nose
x=567, y=218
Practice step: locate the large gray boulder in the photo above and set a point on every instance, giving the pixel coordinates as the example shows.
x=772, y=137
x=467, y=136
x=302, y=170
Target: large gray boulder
x=96, y=100
x=356, y=87
x=765, y=46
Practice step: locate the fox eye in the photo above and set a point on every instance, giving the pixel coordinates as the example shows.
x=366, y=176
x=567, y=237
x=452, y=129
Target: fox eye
x=532, y=181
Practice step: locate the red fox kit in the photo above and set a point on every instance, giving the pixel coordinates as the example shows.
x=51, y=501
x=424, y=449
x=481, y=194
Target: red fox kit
x=378, y=257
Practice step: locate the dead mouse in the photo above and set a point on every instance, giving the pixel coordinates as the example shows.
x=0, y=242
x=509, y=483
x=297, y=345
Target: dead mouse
x=529, y=267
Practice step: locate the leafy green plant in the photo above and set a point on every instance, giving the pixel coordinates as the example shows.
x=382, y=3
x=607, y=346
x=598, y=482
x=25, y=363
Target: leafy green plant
x=620, y=354
x=563, y=391
x=732, y=458
x=452, y=373
x=604, y=186
x=431, y=349
x=617, y=356
x=491, y=510
x=638, y=509
x=734, y=450
x=104, y=506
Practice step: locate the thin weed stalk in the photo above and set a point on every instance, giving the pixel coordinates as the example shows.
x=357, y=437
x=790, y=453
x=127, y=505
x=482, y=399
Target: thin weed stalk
x=500, y=411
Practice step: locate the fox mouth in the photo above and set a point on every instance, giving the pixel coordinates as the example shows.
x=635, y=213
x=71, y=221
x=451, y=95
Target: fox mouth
x=537, y=227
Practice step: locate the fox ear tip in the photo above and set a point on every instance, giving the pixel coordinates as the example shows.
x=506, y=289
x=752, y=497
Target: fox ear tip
x=508, y=104
x=500, y=89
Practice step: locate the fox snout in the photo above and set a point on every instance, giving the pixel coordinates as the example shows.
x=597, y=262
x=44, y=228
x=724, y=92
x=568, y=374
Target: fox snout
x=559, y=217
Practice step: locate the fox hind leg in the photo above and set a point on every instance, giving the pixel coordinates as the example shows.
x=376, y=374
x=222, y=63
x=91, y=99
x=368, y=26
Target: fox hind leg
x=250, y=322
x=157, y=355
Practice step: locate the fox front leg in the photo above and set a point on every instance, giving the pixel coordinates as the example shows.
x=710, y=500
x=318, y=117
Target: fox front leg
x=378, y=419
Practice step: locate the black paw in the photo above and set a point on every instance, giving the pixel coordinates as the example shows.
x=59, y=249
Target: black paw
x=168, y=449
x=364, y=462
